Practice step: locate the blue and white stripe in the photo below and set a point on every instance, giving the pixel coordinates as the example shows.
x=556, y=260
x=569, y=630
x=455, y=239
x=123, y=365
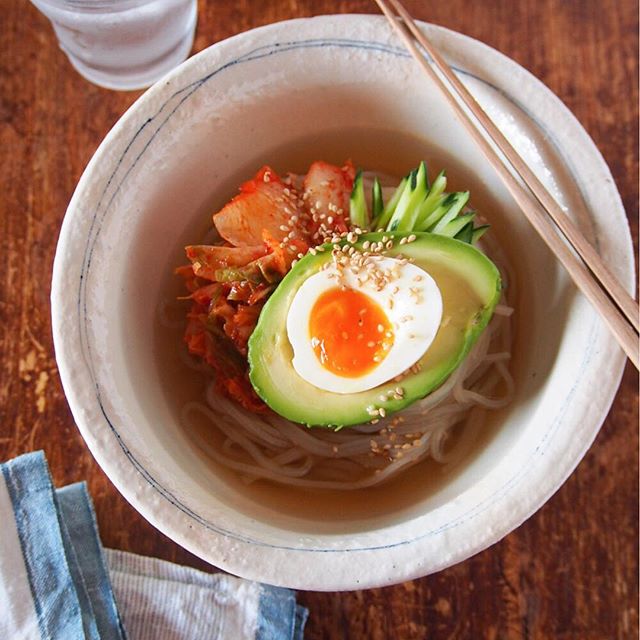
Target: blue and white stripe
x=54, y=583
x=58, y=583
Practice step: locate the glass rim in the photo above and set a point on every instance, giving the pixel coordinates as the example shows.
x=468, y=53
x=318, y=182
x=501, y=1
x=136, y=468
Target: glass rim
x=91, y=6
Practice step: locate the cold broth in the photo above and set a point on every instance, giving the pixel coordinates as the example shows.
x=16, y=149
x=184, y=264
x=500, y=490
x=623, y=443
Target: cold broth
x=383, y=152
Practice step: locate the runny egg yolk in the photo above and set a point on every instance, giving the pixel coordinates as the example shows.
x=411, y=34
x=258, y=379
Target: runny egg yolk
x=350, y=333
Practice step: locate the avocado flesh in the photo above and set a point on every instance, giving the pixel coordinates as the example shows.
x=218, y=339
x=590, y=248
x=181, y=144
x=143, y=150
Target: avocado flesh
x=470, y=286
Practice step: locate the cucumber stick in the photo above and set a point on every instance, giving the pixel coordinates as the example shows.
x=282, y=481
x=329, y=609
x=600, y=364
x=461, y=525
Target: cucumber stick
x=432, y=201
x=456, y=225
x=405, y=216
x=377, y=205
x=457, y=200
x=383, y=219
x=358, y=213
x=478, y=232
x=416, y=206
x=465, y=234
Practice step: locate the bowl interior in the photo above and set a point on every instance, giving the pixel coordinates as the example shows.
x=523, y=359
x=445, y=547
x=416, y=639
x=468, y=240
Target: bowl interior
x=192, y=168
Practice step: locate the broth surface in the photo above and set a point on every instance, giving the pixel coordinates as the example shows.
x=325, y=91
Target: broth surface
x=374, y=150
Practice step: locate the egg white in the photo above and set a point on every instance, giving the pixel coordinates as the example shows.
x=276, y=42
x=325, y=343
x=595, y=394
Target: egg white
x=415, y=318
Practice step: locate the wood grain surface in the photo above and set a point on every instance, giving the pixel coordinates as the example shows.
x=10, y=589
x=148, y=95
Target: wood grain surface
x=571, y=570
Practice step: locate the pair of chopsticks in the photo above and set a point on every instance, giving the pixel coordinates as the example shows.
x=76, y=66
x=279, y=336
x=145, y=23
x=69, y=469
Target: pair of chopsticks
x=617, y=308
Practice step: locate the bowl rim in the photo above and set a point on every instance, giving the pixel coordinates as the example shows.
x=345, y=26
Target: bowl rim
x=128, y=477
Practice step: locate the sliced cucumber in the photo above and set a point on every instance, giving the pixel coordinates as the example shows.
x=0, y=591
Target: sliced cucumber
x=406, y=213
x=478, y=232
x=416, y=206
x=377, y=204
x=427, y=186
x=442, y=205
x=358, y=213
x=433, y=199
x=453, y=227
x=458, y=200
x=466, y=233
x=382, y=221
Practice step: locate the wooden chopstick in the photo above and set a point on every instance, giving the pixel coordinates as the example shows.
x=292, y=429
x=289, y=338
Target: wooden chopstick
x=589, y=276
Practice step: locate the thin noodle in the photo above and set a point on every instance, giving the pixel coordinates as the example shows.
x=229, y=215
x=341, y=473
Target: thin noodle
x=269, y=447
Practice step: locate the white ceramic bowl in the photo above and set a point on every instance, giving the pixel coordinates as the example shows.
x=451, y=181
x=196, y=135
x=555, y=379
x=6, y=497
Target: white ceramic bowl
x=181, y=150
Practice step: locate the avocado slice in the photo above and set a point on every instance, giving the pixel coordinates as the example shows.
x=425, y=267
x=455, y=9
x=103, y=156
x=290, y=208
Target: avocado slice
x=470, y=286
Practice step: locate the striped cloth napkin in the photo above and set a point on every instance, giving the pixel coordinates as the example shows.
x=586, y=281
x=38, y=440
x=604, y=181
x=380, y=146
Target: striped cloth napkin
x=58, y=583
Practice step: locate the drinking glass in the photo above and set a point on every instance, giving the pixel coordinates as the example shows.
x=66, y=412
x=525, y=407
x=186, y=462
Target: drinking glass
x=123, y=44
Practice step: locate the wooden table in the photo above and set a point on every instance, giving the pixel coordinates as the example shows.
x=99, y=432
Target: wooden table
x=571, y=571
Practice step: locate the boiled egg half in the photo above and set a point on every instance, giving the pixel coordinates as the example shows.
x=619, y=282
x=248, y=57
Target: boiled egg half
x=350, y=334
